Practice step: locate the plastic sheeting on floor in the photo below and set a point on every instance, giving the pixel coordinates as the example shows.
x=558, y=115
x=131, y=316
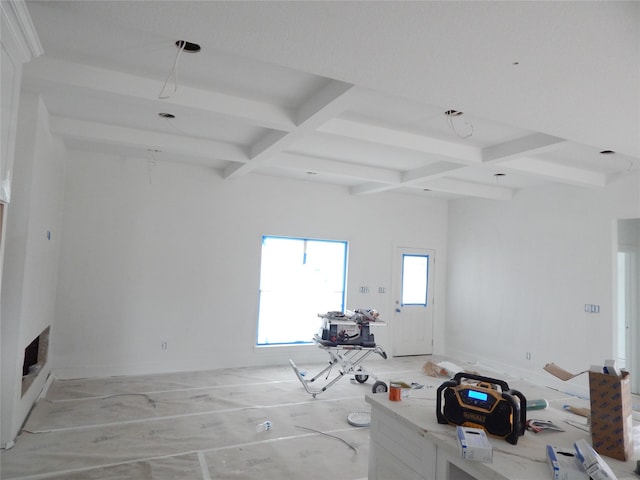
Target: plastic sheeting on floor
x=198, y=425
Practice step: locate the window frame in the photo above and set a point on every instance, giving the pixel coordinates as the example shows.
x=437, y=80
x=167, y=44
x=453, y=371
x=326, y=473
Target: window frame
x=343, y=281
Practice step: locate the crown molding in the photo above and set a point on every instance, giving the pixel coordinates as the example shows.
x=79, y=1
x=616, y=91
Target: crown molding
x=19, y=36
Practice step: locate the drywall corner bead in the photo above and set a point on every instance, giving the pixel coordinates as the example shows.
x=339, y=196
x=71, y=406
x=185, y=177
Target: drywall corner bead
x=5, y=188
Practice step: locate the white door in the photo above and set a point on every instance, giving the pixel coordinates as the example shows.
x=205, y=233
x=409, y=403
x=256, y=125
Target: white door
x=412, y=322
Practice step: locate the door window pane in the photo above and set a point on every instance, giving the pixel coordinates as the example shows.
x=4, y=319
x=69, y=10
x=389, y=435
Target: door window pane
x=415, y=272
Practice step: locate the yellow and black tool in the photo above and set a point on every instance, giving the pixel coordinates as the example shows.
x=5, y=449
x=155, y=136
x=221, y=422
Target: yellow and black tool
x=486, y=403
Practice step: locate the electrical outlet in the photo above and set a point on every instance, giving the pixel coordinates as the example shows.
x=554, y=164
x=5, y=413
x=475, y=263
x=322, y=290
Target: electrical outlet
x=591, y=308
x=164, y=345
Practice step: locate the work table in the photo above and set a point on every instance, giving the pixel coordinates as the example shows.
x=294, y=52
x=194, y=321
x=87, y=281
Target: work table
x=407, y=442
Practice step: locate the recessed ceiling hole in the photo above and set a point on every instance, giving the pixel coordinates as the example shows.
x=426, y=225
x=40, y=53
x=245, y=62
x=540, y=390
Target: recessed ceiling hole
x=166, y=115
x=499, y=174
x=188, y=46
x=607, y=152
x=453, y=113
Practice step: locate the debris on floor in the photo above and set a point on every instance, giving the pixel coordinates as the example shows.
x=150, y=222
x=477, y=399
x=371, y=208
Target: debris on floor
x=442, y=369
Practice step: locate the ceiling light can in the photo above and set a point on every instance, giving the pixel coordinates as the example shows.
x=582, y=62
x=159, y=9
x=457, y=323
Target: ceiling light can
x=188, y=46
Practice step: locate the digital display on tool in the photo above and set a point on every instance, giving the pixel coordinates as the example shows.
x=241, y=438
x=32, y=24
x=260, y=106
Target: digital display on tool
x=478, y=395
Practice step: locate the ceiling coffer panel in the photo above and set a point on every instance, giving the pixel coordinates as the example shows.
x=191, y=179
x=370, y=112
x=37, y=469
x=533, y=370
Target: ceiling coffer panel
x=442, y=99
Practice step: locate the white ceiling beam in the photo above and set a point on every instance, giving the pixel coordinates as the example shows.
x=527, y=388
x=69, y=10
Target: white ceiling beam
x=328, y=102
x=433, y=170
x=372, y=187
x=469, y=189
x=524, y=146
x=325, y=166
x=418, y=175
x=111, y=134
x=614, y=176
x=444, y=185
x=99, y=80
x=274, y=141
x=443, y=149
x=559, y=173
x=323, y=105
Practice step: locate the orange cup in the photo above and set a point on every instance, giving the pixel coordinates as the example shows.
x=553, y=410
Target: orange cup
x=395, y=392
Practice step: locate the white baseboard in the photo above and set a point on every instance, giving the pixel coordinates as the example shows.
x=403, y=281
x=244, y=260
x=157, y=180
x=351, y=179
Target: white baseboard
x=578, y=387
x=261, y=356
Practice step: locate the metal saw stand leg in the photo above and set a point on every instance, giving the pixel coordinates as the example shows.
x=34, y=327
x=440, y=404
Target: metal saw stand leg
x=305, y=382
x=349, y=362
x=351, y=359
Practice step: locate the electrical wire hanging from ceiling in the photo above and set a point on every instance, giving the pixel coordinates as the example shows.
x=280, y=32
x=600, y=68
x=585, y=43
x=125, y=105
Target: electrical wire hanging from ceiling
x=151, y=161
x=174, y=73
x=453, y=113
x=170, y=122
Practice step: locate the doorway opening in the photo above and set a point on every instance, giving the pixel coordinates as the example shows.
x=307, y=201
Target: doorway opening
x=413, y=293
x=628, y=298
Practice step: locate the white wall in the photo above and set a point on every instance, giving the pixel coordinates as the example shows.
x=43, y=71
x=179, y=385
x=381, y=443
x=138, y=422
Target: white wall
x=521, y=272
x=31, y=260
x=156, y=251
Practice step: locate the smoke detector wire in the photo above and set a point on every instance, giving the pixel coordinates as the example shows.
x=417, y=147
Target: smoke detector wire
x=170, y=122
x=454, y=113
x=628, y=171
x=174, y=73
x=151, y=161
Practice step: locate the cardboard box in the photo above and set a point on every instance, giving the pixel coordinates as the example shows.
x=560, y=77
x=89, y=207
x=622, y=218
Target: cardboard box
x=611, y=414
x=474, y=444
x=565, y=464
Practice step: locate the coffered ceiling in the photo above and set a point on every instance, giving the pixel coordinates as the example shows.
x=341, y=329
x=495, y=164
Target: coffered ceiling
x=352, y=93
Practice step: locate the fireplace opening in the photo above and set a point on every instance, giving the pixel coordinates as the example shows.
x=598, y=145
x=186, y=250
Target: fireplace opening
x=30, y=357
x=35, y=357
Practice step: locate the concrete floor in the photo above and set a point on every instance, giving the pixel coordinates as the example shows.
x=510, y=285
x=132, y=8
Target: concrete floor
x=201, y=425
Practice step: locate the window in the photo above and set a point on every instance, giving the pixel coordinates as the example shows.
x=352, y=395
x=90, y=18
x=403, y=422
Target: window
x=299, y=278
x=415, y=271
